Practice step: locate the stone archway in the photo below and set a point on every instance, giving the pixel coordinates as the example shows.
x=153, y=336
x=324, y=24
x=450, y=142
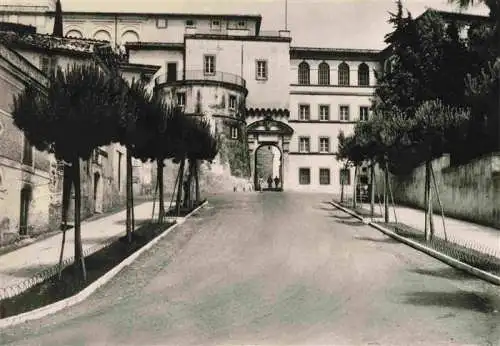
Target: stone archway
x=261, y=178
x=269, y=132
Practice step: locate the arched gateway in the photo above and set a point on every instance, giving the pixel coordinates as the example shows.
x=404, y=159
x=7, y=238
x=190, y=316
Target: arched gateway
x=269, y=128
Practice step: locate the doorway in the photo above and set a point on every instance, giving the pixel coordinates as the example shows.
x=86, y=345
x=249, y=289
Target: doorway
x=171, y=72
x=26, y=195
x=97, y=193
x=268, y=172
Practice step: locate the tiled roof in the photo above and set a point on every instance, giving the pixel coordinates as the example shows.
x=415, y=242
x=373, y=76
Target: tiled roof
x=48, y=42
x=68, y=45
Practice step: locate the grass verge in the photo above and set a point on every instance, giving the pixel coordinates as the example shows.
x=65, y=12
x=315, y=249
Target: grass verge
x=359, y=210
x=183, y=211
x=462, y=253
x=99, y=263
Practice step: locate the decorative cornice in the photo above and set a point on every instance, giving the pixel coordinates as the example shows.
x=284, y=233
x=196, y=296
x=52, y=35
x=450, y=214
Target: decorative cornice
x=19, y=63
x=238, y=38
x=263, y=112
x=322, y=122
x=307, y=92
x=181, y=83
x=312, y=153
x=154, y=46
x=140, y=67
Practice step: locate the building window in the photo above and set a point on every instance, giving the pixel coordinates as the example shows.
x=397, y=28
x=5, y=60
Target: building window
x=324, y=74
x=261, y=70
x=242, y=24
x=363, y=113
x=324, y=176
x=324, y=145
x=363, y=75
x=304, y=112
x=190, y=23
x=344, y=113
x=232, y=102
x=324, y=112
x=304, y=144
x=161, y=23
x=304, y=176
x=48, y=65
x=215, y=25
x=181, y=99
x=234, y=132
x=345, y=177
x=209, y=64
x=27, y=153
x=344, y=74
x=304, y=73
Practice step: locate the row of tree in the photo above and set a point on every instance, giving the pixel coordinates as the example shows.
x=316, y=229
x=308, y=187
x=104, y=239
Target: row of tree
x=435, y=96
x=85, y=107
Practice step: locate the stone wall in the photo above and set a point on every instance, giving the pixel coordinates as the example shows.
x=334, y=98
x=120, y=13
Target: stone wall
x=470, y=192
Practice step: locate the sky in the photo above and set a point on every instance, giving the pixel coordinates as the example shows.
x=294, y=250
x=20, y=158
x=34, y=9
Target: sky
x=313, y=23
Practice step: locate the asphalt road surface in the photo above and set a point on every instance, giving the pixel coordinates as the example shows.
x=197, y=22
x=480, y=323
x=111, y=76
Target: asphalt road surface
x=277, y=269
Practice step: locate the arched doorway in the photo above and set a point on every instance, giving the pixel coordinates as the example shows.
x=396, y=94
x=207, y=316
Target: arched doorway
x=268, y=163
x=272, y=135
x=97, y=193
x=26, y=196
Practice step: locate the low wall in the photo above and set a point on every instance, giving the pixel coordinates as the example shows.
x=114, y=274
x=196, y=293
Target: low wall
x=469, y=192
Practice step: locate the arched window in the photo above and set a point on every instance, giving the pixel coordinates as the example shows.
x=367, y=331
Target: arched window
x=130, y=36
x=102, y=35
x=324, y=74
x=363, y=75
x=74, y=33
x=343, y=74
x=304, y=73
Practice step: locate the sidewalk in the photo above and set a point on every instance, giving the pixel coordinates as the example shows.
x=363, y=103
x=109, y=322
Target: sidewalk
x=481, y=238
x=26, y=262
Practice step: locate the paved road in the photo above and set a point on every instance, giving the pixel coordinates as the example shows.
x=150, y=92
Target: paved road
x=277, y=269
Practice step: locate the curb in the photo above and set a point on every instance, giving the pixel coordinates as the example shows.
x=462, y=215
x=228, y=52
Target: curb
x=87, y=291
x=491, y=278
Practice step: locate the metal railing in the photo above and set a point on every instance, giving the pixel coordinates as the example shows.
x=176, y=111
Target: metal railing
x=199, y=75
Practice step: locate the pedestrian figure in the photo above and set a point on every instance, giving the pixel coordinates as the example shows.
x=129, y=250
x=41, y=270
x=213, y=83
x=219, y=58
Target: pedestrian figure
x=276, y=181
x=270, y=182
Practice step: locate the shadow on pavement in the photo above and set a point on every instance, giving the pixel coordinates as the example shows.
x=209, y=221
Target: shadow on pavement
x=28, y=271
x=447, y=273
x=455, y=300
x=379, y=240
x=351, y=223
x=137, y=221
x=348, y=217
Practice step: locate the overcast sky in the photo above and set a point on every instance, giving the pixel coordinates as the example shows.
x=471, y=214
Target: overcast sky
x=318, y=23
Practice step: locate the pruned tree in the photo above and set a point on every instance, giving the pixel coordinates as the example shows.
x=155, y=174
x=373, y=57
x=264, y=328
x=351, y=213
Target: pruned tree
x=433, y=131
x=74, y=116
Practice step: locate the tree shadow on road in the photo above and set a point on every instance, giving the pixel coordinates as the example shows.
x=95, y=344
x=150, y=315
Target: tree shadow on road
x=352, y=223
x=339, y=217
x=447, y=273
x=379, y=240
x=455, y=300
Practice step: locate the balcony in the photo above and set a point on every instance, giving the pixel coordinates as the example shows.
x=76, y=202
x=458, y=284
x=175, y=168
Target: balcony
x=199, y=75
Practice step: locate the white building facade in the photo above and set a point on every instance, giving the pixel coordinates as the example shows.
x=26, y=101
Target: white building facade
x=255, y=83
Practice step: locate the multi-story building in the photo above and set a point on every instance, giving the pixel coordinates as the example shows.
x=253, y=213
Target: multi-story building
x=256, y=88
x=254, y=85
x=32, y=179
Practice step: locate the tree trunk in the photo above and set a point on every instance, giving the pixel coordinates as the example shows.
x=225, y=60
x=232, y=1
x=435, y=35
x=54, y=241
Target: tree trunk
x=129, y=197
x=427, y=201
x=372, y=192
x=188, y=197
x=386, y=192
x=161, y=207
x=66, y=197
x=354, y=192
x=180, y=187
x=440, y=204
x=197, y=181
x=79, y=259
